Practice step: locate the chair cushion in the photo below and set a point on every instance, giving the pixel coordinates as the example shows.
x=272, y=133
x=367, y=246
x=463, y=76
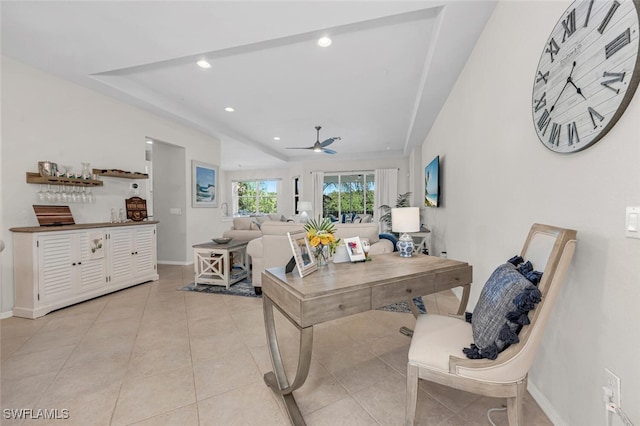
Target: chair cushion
x=501, y=311
x=435, y=338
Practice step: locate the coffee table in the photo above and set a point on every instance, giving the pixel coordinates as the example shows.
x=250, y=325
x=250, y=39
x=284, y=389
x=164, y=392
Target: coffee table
x=220, y=264
x=339, y=290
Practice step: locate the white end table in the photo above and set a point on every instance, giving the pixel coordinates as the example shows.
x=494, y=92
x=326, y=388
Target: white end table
x=212, y=263
x=421, y=241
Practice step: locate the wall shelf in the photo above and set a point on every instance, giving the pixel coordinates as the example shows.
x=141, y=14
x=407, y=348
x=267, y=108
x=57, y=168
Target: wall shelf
x=54, y=180
x=120, y=174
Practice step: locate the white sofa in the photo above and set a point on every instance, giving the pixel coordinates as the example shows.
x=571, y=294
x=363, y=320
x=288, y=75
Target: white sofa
x=246, y=228
x=273, y=248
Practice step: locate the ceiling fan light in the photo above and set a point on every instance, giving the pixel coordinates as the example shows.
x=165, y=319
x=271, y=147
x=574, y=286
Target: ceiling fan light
x=317, y=149
x=324, y=41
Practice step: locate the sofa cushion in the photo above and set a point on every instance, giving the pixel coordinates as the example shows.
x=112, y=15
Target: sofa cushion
x=242, y=223
x=271, y=227
x=363, y=230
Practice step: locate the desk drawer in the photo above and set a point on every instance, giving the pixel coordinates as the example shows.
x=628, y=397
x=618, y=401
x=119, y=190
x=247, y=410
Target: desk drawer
x=327, y=308
x=386, y=294
x=451, y=279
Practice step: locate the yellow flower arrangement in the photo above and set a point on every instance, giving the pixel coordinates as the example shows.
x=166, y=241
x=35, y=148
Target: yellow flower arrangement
x=320, y=234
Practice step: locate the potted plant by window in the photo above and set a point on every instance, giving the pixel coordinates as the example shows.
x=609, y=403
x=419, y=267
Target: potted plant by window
x=385, y=218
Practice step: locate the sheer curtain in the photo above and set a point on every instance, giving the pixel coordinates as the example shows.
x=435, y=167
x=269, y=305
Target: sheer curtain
x=317, y=182
x=386, y=190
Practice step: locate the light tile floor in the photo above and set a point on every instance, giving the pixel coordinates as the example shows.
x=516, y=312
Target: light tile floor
x=153, y=355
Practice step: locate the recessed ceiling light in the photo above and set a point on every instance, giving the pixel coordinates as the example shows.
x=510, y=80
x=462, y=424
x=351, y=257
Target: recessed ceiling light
x=203, y=64
x=276, y=138
x=229, y=109
x=324, y=42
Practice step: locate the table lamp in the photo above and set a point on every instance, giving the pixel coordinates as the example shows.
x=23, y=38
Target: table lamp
x=304, y=207
x=403, y=220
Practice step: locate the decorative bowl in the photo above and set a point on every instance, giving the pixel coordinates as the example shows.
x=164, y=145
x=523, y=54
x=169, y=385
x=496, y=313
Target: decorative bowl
x=222, y=240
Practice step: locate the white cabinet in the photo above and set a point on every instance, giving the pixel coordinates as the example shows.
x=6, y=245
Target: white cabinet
x=69, y=263
x=54, y=269
x=132, y=254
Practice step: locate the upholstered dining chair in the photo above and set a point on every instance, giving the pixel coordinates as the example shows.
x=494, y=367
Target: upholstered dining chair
x=436, y=355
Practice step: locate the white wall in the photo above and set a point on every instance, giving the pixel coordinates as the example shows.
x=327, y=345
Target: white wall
x=498, y=179
x=46, y=118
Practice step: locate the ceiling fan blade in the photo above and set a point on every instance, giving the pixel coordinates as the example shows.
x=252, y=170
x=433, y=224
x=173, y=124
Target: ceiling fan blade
x=328, y=151
x=309, y=147
x=327, y=142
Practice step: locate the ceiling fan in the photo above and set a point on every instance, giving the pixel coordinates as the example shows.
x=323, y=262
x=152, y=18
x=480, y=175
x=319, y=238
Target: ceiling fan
x=320, y=146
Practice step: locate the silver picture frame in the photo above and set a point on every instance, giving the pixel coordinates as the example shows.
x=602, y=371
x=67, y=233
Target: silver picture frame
x=302, y=252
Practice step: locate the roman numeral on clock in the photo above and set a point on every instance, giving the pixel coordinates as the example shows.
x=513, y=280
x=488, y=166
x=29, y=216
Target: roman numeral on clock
x=543, y=121
x=541, y=103
x=586, y=20
x=617, y=43
x=605, y=21
x=552, y=48
x=569, y=25
x=572, y=133
x=594, y=114
x=554, y=136
x=541, y=76
x=617, y=78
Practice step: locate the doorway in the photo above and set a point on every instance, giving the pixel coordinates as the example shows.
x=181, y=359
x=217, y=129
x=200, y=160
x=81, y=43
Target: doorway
x=169, y=200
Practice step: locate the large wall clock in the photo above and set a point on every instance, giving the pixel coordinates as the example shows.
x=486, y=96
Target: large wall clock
x=587, y=74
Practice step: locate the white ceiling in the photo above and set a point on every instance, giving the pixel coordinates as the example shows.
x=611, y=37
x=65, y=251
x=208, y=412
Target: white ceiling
x=379, y=86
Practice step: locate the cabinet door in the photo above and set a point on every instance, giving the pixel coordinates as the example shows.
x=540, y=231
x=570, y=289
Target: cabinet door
x=121, y=254
x=56, y=267
x=145, y=251
x=93, y=265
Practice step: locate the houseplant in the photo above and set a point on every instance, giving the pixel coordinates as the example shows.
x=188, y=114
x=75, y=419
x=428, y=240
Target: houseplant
x=401, y=201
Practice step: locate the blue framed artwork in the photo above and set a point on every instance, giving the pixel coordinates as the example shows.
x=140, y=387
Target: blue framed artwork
x=432, y=183
x=204, y=178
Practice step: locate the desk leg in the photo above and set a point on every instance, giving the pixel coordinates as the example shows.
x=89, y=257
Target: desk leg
x=277, y=379
x=466, y=289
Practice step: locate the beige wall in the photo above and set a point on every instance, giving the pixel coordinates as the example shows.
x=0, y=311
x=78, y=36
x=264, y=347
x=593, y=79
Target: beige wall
x=46, y=118
x=498, y=179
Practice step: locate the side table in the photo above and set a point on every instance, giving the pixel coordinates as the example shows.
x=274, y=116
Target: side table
x=421, y=241
x=212, y=263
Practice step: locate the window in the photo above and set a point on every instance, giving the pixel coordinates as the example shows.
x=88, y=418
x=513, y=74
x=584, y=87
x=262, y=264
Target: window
x=345, y=193
x=255, y=197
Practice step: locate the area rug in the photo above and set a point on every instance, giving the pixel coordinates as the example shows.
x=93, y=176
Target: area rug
x=245, y=288
x=242, y=288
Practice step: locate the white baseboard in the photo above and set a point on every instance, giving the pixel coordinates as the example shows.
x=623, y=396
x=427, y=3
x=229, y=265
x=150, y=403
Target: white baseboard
x=545, y=405
x=5, y=315
x=171, y=262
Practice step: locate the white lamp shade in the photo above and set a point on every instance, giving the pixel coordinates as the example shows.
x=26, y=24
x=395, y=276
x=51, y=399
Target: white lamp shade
x=405, y=219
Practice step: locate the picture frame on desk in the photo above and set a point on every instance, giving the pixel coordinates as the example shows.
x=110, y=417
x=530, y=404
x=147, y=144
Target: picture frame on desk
x=305, y=261
x=204, y=180
x=355, y=249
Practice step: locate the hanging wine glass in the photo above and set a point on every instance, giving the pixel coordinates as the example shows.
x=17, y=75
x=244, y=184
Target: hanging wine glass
x=41, y=195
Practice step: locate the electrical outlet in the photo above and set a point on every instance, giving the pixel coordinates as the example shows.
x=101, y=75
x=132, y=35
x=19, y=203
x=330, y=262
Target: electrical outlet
x=613, y=383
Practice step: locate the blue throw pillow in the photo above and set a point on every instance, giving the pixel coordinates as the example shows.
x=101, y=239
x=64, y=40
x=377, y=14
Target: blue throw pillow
x=502, y=310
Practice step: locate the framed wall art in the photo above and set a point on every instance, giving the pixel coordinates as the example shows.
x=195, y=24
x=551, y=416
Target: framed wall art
x=301, y=248
x=204, y=180
x=432, y=183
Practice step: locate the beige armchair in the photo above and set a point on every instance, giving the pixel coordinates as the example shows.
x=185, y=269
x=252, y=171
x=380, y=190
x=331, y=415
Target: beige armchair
x=435, y=354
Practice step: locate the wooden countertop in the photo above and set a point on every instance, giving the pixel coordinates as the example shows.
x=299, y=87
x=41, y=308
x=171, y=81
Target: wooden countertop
x=33, y=229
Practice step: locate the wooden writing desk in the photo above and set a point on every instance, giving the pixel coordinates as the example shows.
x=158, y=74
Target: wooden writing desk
x=339, y=290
